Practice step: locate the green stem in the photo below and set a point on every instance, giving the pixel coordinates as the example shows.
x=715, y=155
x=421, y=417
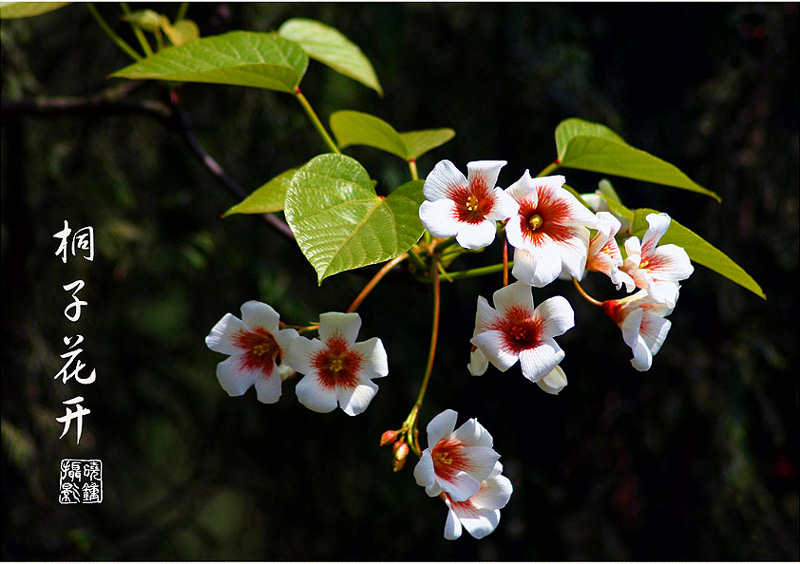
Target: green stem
x=184, y=7
x=475, y=272
x=110, y=33
x=374, y=282
x=137, y=31
x=315, y=121
x=412, y=166
x=549, y=169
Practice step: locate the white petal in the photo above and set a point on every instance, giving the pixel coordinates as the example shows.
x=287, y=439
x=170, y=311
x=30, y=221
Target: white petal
x=481, y=461
x=459, y=487
x=539, y=268
x=670, y=262
x=221, y=337
x=642, y=358
x=442, y=180
x=524, y=189
x=314, y=396
x=475, y=235
x=659, y=223
x=538, y=362
x=355, y=400
x=495, y=492
x=452, y=527
x=554, y=382
x=478, y=363
x=335, y=323
x=440, y=217
x=258, y=314
x=301, y=352
x=473, y=434
x=233, y=379
x=373, y=355
x=654, y=331
x=423, y=471
x=504, y=206
x=514, y=296
x=284, y=338
x=485, y=316
x=573, y=252
x=441, y=426
x=268, y=390
x=489, y=170
x=492, y=344
x=556, y=315
x=481, y=523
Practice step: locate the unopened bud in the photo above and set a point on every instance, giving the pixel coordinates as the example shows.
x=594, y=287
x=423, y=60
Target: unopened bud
x=401, y=450
x=388, y=437
x=397, y=465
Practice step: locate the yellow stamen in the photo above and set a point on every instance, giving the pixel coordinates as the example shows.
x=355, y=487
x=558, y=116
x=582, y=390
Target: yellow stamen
x=335, y=365
x=535, y=221
x=472, y=203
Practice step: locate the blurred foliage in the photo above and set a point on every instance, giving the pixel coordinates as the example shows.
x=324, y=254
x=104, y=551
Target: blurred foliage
x=696, y=459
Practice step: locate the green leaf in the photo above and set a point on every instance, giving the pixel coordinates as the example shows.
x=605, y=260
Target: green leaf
x=359, y=128
x=698, y=249
x=340, y=222
x=181, y=31
x=266, y=199
x=590, y=146
x=420, y=142
x=12, y=10
x=242, y=58
x=330, y=47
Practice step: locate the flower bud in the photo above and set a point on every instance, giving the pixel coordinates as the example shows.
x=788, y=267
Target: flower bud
x=388, y=437
x=554, y=382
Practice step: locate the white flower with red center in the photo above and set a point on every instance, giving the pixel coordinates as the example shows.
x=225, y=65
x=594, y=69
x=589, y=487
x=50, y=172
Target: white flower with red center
x=254, y=343
x=455, y=462
x=604, y=254
x=338, y=371
x=550, y=232
x=657, y=269
x=643, y=326
x=516, y=331
x=465, y=208
x=480, y=514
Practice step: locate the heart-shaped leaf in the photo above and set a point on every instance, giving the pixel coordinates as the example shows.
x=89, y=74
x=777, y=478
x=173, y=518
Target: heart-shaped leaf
x=359, y=128
x=340, y=222
x=329, y=46
x=591, y=146
x=242, y=58
x=12, y=10
x=266, y=199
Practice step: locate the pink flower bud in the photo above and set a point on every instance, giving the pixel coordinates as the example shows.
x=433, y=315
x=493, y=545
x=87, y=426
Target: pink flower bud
x=388, y=437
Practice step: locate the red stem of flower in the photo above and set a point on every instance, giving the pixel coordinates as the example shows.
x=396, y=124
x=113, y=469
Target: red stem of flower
x=505, y=262
x=375, y=279
x=586, y=296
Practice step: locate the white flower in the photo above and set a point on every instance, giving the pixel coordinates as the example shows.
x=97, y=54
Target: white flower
x=480, y=514
x=553, y=382
x=643, y=326
x=467, y=208
x=518, y=332
x=657, y=269
x=254, y=343
x=604, y=254
x=478, y=363
x=455, y=462
x=337, y=369
x=550, y=232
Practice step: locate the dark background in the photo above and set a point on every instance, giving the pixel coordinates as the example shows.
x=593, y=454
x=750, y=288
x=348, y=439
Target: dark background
x=696, y=459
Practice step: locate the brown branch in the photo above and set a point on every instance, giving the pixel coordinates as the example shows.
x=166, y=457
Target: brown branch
x=111, y=101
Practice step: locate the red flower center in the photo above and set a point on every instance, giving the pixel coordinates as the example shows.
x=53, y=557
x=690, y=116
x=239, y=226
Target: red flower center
x=546, y=218
x=473, y=202
x=261, y=350
x=448, y=458
x=337, y=365
x=521, y=331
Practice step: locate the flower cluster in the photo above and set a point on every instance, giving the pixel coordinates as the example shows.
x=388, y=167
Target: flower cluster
x=554, y=235
x=338, y=370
